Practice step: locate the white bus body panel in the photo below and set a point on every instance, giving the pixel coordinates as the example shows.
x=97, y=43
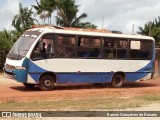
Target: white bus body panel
x=91, y=65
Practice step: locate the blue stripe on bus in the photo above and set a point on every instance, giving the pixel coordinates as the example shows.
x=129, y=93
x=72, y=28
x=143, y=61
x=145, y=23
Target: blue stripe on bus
x=35, y=71
x=35, y=76
x=20, y=75
x=133, y=76
x=63, y=78
x=100, y=77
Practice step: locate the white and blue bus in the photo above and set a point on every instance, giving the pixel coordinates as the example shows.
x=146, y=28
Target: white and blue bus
x=46, y=56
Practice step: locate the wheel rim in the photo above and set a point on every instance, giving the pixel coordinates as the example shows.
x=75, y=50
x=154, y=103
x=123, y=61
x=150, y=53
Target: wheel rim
x=47, y=83
x=117, y=81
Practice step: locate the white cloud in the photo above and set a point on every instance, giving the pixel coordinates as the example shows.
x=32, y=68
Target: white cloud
x=120, y=14
x=7, y=11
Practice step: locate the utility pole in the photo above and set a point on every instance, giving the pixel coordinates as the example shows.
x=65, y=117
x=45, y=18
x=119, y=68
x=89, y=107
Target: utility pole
x=133, y=29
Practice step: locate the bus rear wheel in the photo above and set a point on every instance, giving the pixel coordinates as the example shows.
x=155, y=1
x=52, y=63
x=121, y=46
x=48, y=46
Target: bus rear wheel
x=117, y=80
x=28, y=85
x=46, y=82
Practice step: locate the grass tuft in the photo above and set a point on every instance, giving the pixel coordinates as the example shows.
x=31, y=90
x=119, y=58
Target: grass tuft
x=89, y=104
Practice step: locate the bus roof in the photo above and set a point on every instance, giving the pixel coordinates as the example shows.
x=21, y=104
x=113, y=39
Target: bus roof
x=88, y=32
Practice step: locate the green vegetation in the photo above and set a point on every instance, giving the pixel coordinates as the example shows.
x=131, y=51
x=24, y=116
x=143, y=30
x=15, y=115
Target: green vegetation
x=99, y=103
x=66, y=11
x=66, y=16
x=152, y=28
x=7, y=39
x=44, y=9
x=23, y=20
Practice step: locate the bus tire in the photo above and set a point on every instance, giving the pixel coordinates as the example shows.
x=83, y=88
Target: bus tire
x=28, y=85
x=117, y=80
x=46, y=82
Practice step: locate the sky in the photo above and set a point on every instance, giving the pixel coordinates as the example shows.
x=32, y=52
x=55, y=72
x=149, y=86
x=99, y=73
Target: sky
x=118, y=15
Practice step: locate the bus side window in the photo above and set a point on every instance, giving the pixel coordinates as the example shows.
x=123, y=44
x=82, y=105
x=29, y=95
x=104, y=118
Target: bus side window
x=39, y=51
x=109, y=53
x=66, y=46
x=140, y=49
x=79, y=41
x=88, y=47
x=44, y=48
x=61, y=49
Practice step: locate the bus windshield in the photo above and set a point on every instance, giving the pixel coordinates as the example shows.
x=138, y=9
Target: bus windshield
x=22, y=45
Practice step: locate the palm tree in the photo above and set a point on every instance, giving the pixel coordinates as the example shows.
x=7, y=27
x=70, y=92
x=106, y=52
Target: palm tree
x=66, y=12
x=44, y=9
x=67, y=15
x=23, y=20
x=149, y=25
x=116, y=31
x=145, y=30
x=6, y=42
x=152, y=28
x=78, y=24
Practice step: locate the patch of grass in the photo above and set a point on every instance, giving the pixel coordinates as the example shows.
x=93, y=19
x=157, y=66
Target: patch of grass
x=99, y=103
x=80, y=104
x=149, y=98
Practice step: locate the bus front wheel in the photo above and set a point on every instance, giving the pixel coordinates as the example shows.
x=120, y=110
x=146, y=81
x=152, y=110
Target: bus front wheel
x=46, y=82
x=117, y=81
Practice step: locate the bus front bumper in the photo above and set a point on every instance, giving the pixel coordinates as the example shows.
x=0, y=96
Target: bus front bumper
x=9, y=76
x=16, y=74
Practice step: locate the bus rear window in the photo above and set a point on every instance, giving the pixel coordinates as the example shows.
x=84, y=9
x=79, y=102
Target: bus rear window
x=140, y=49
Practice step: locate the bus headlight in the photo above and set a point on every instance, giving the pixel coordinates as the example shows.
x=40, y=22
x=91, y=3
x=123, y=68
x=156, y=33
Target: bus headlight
x=20, y=68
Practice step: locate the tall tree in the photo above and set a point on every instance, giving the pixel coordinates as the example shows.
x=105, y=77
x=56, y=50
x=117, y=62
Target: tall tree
x=84, y=25
x=144, y=30
x=155, y=32
x=67, y=15
x=23, y=20
x=67, y=12
x=6, y=42
x=44, y=9
x=116, y=31
x=152, y=28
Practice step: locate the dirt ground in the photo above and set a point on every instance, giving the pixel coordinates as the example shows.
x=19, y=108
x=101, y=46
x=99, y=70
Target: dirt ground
x=12, y=90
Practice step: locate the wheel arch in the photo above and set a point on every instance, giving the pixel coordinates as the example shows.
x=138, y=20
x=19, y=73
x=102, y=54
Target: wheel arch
x=49, y=73
x=119, y=72
x=118, y=80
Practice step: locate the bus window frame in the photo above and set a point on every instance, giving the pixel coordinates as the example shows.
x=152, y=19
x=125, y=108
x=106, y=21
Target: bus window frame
x=87, y=47
x=74, y=47
x=40, y=40
x=116, y=48
x=141, y=40
x=101, y=48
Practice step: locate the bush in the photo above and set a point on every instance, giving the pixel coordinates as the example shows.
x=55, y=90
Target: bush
x=7, y=39
x=158, y=53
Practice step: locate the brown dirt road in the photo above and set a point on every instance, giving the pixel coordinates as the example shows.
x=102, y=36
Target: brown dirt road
x=11, y=90
x=14, y=91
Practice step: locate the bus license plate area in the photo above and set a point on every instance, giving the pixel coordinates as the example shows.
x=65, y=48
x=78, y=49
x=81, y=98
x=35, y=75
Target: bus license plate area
x=12, y=77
